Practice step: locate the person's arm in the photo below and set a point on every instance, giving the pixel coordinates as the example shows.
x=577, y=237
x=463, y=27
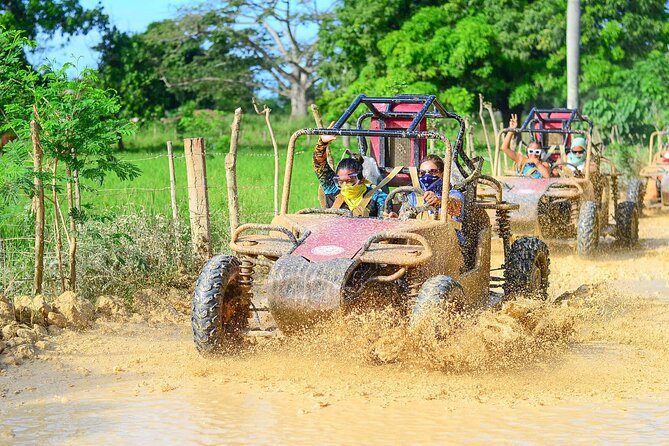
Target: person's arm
x=544, y=170
x=506, y=145
x=323, y=170
x=380, y=199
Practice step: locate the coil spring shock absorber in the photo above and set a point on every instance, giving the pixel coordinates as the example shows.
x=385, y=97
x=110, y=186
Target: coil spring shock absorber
x=614, y=191
x=413, y=286
x=246, y=271
x=503, y=226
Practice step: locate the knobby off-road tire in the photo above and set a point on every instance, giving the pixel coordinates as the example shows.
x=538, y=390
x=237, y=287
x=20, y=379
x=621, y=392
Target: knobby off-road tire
x=636, y=192
x=441, y=292
x=587, y=234
x=627, y=223
x=526, y=269
x=219, y=311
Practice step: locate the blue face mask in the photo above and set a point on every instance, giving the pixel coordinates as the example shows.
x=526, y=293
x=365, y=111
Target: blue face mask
x=576, y=160
x=427, y=180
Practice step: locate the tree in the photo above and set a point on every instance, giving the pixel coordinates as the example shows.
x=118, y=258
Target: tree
x=131, y=67
x=46, y=17
x=193, y=59
x=513, y=51
x=79, y=127
x=280, y=39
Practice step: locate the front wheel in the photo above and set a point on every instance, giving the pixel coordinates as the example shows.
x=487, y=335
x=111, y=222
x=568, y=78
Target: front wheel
x=636, y=192
x=526, y=269
x=627, y=223
x=438, y=292
x=219, y=312
x=587, y=235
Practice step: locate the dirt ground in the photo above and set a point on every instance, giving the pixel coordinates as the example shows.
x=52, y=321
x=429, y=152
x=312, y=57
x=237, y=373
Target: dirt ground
x=591, y=370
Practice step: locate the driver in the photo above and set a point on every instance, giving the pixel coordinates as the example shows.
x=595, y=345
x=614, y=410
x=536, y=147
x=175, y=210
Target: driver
x=530, y=165
x=347, y=188
x=665, y=156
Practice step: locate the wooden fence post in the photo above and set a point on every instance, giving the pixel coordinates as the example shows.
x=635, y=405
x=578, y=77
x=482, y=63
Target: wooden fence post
x=198, y=199
x=38, y=204
x=231, y=172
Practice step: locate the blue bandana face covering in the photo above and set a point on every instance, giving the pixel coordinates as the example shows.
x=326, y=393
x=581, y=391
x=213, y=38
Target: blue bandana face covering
x=576, y=160
x=427, y=180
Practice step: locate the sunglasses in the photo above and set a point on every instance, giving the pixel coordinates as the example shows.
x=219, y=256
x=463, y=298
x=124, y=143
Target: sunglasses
x=578, y=152
x=428, y=172
x=534, y=151
x=351, y=179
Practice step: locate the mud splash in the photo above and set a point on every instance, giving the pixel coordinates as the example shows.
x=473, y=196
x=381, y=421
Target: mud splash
x=590, y=370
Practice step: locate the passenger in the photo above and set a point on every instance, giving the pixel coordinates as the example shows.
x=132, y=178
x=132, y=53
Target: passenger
x=576, y=156
x=530, y=165
x=347, y=188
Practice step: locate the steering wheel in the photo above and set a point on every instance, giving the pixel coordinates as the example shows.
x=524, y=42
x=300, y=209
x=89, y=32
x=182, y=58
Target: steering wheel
x=408, y=210
x=568, y=173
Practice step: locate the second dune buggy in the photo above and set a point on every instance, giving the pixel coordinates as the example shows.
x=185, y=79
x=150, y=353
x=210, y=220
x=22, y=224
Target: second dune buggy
x=571, y=204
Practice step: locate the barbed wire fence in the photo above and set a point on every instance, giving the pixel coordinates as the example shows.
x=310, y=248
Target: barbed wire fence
x=144, y=237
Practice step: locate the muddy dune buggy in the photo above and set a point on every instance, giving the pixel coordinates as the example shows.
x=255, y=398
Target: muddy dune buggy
x=572, y=204
x=654, y=187
x=326, y=260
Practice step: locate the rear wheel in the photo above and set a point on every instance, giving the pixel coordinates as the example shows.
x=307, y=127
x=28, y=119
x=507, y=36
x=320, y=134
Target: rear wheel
x=627, y=223
x=442, y=292
x=636, y=192
x=219, y=311
x=526, y=269
x=587, y=236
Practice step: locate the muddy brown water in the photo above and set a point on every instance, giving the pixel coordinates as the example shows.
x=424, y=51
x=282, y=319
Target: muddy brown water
x=591, y=372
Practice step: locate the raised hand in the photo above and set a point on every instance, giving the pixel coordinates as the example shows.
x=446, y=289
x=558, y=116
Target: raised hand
x=513, y=122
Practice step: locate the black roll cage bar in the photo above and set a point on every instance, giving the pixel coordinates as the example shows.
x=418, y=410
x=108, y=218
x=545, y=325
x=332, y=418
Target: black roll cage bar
x=431, y=109
x=535, y=117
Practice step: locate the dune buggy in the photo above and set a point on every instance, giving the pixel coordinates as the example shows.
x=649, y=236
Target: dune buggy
x=654, y=188
x=571, y=203
x=326, y=260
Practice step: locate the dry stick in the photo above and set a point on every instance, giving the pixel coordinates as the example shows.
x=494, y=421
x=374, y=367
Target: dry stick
x=173, y=191
x=56, y=224
x=495, y=130
x=485, y=130
x=266, y=111
x=72, y=239
x=38, y=204
x=77, y=191
x=231, y=172
x=468, y=137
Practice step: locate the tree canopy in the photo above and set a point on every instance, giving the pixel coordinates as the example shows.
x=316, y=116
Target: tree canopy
x=511, y=51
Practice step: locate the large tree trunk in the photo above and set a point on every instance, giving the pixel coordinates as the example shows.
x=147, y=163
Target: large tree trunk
x=298, y=98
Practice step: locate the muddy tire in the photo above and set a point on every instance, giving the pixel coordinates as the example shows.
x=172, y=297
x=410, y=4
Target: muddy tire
x=587, y=234
x=219, y=313
x=438, y=291
x=627, y=223
x=636, y=192
x=526, y=269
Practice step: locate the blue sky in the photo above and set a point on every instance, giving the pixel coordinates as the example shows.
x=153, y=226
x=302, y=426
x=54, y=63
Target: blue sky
x=127, y=15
